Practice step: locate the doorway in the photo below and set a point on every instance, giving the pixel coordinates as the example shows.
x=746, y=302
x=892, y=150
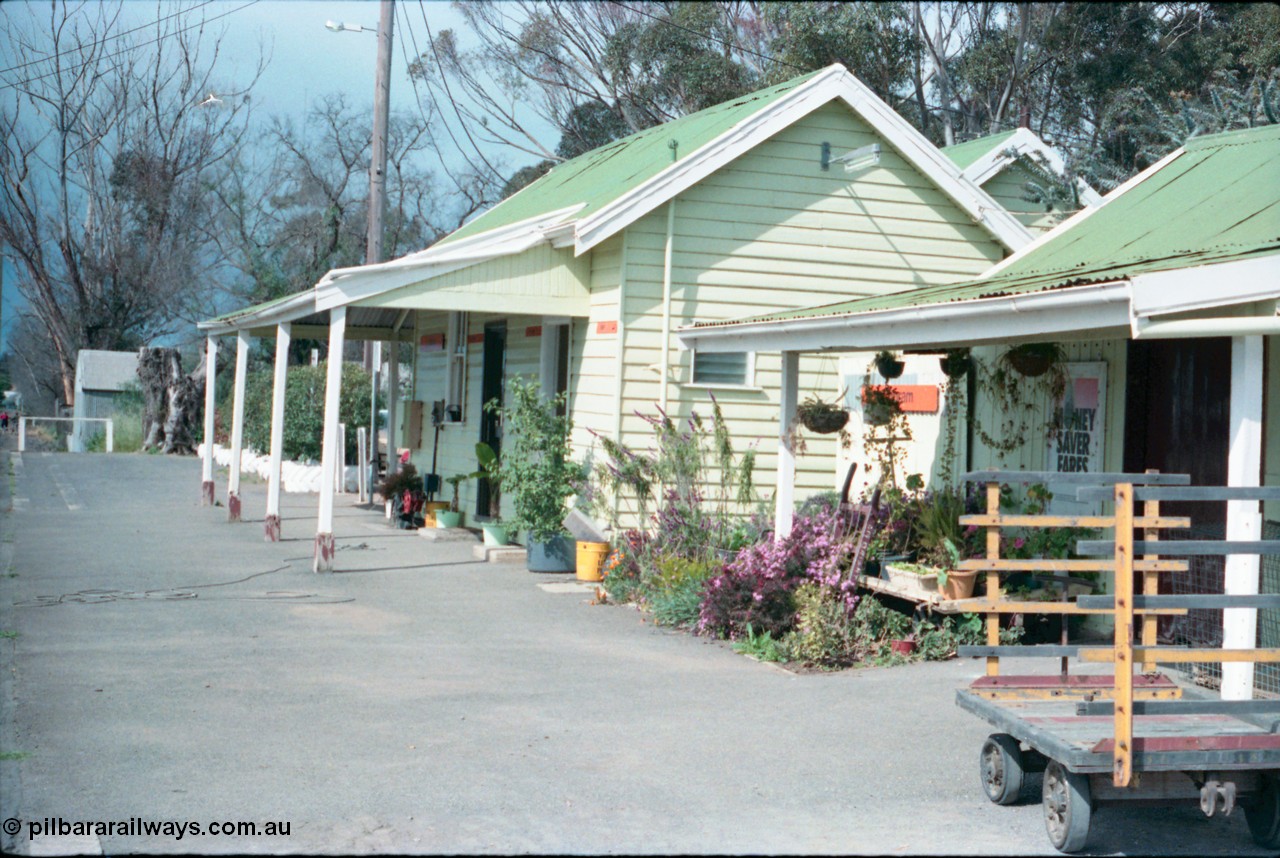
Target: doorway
x=1177, y=416
x=492, y=381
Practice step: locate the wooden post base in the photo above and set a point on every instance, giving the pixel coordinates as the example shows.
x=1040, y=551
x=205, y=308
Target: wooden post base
x=206, y=493
x=323, y=561
x=233, y=506
x=271, y=528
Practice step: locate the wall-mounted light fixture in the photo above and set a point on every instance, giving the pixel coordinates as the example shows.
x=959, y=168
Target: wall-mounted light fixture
x=858, y=159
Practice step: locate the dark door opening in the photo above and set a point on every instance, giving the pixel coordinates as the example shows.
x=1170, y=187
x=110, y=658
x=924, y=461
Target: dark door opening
x=562, y=365
x=493, y=375
x=1177, y=416
x=1177, y=413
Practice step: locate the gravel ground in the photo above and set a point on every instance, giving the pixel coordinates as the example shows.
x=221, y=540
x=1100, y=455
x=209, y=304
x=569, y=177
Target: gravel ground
x=162, y=664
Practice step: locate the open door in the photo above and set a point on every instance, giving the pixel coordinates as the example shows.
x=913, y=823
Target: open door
x=492, y=381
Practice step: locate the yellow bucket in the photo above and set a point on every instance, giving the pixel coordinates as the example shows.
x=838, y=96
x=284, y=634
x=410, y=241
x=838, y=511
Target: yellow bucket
x=591, y=556
x=429, y=510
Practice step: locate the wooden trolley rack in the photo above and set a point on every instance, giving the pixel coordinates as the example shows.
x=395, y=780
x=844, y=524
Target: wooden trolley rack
x=1128, y=735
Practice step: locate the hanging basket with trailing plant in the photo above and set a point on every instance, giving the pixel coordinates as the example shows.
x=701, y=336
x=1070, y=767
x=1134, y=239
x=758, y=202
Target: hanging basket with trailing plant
x=820, y=416
x=955, y=363
x=879, y=405
x=888, y=365
x=1032, y=360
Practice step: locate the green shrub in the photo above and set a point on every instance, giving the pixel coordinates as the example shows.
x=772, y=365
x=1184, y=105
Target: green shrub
x=824, y=635
x=875, y=625
x=303, y=409
x=674, y=590
x=761, y=646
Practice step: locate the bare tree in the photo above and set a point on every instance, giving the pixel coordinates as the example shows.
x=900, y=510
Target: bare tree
x=105, y=167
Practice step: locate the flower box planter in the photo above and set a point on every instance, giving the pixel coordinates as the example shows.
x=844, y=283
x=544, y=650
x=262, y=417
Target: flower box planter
x=911, y=579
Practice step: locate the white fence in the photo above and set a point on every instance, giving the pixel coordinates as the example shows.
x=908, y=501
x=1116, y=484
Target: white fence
x=74, y=444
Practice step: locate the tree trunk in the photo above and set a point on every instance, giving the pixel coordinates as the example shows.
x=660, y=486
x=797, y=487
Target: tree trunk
x=174, y=402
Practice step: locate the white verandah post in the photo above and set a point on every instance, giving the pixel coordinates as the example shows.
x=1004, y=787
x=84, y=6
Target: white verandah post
x=210, y=381
x=393, y=393
x=324, y=547
x=785, y=491
x=271, y=524
x=1244, y=518
x=237, y=426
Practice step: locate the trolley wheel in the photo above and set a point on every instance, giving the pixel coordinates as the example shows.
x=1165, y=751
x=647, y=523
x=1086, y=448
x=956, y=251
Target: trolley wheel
x=1066, y=807
x=1262, y=812
x=1000, y=767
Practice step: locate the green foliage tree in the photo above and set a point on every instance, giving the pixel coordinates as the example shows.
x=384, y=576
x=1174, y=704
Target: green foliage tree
x=536, y=463
x=303, y=409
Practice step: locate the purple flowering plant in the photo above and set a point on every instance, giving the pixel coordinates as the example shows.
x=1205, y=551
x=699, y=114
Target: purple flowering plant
x=756, y=589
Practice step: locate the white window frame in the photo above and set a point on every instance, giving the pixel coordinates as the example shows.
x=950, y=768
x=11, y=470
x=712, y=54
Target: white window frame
x=455, y=391
x=748, y=382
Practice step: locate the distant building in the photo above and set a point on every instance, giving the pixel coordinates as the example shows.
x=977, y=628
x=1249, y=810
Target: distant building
x=102, y=378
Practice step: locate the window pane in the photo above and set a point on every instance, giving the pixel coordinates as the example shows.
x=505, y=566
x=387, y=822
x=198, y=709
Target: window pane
x=720, y=368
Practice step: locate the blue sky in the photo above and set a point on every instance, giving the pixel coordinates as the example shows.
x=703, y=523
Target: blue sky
x=306, y=60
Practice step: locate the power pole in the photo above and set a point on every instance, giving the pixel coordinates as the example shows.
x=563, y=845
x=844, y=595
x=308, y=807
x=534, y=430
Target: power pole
x=377, y=207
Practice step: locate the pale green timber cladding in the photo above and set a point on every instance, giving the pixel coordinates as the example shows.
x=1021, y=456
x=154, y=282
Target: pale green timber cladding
x=457, y=452
x=1008, y=188
x=770, y=231
x=595, y=368
x=1031, y=456
x=521, y=281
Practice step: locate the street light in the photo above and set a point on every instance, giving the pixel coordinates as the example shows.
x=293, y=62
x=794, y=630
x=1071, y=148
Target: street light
x=339, y=27
x=377, y=189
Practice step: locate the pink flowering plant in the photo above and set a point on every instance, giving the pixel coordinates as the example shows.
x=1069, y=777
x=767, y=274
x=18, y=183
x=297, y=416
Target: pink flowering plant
x=755, y=593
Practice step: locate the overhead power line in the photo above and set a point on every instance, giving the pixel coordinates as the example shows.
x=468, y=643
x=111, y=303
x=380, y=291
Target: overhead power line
x=73, y=68
x=444, y=78
x=108, y=38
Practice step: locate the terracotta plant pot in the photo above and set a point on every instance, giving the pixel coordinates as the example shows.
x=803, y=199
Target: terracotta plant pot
x=903, y=647
x=959, y=584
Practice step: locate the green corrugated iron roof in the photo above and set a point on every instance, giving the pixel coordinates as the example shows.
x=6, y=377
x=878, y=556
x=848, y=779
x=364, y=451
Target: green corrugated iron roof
x=600, y=176
x=1219, y=201
x=964, y=154
x=257, y=308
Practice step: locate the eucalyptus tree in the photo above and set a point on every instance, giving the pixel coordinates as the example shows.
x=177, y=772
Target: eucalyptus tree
x=110, y=141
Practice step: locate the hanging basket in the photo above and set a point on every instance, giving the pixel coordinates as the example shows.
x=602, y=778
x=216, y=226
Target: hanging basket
x=955, y=364
x=878, y=413
x=824, y=418
x=1033, y=359
x=889, y=367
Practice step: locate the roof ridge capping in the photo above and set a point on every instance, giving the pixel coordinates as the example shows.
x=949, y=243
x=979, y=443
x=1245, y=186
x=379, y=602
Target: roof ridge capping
x=1239, y=136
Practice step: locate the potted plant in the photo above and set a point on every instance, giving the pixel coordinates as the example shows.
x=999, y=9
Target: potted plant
x=1032, y=360
x=393, y=488
x=888, y=365
x=818, y=415
x=495, y=532
x=536, y=464
x=452, y=517
x=955, y=363
x=879, y=405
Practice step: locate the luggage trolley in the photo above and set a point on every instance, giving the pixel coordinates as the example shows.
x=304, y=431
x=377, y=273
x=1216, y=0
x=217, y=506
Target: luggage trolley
x=1131, y=735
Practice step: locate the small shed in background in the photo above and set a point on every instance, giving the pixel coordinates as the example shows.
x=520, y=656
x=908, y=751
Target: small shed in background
x=103, y=379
